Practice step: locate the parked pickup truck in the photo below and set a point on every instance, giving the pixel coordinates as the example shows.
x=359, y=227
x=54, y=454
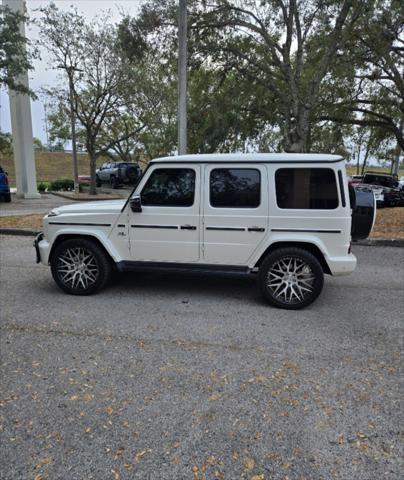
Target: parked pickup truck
x=118, y=173
x=386, y=188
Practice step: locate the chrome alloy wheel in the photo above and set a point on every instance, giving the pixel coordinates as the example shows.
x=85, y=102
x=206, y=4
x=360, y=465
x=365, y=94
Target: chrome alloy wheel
x=77, y=268
x=290, y=279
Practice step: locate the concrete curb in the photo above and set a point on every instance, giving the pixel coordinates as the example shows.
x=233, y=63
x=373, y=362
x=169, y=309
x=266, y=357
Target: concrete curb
x=19, y=231
x=85, y=199
x=380, y=242
x=373, y=242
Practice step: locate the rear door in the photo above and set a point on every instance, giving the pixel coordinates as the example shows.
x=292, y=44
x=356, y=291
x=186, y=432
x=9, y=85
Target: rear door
x=235, y=212
x=168, y=227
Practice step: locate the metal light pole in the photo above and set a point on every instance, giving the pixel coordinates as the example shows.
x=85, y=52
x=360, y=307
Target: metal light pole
x=70, y=70
x=73, y=130
x=182, y=78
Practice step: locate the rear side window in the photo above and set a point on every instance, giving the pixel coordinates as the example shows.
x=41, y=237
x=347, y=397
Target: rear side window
x=306, y=188
x=235, y=188
x=170, y=187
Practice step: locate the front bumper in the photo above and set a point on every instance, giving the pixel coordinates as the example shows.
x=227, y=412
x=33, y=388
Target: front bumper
x=38, y=238
x=41, y=246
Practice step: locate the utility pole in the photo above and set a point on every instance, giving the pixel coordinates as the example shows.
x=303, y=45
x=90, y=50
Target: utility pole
x=182, y=77
x=21, y=124
x=70, y=72
x=73, y=130
x=45, y=108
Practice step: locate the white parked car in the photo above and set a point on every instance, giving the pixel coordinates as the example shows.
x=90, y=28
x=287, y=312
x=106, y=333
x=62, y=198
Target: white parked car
x=285, y=217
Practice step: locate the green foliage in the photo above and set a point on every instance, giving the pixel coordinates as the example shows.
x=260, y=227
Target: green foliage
x=268, y=76
x=38, y=145
x=6, y=144
x=14, y=58
x=43, y=187
x=64, y=184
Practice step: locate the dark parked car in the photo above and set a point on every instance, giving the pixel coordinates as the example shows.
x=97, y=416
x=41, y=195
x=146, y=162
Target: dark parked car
x=4, y=186
x=118, y=173
x=386, y=188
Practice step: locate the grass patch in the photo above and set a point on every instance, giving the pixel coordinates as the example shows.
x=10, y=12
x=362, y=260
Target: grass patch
x=351, y=170
x=389, y=223
x=53, y=165
x=30, y=222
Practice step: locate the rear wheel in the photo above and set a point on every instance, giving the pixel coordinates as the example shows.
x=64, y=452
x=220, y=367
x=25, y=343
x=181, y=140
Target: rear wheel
x=114, y=183
x=80, y=267
x=7, y=197
x=291, y=278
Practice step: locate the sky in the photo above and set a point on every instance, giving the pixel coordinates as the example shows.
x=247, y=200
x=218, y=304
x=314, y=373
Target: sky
x=43, y=74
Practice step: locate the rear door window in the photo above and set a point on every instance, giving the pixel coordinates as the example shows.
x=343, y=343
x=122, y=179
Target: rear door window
x=306, y=188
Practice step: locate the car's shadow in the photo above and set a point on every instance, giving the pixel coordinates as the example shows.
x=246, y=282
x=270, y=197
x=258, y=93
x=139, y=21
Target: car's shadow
x=167, y=283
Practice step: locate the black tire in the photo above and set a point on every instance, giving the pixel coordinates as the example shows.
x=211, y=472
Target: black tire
x=7, y=197
x=97, y=181
x=114, y=182
x=293, y=272
x=98, y=266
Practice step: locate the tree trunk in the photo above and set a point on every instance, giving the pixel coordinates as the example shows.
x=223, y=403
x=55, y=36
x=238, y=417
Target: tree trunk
x=93, y=167
x=298, y=132
x=298, y=139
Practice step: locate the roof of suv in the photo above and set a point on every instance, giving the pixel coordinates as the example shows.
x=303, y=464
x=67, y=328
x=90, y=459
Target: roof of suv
x=252, y=157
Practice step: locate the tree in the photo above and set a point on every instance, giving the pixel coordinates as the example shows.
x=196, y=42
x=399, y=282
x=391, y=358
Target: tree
x=285, y=49
x=6, y=143
x=15, y=59
x=218, y=117
x=38, y=145
x=377, y=51
x=97, y=76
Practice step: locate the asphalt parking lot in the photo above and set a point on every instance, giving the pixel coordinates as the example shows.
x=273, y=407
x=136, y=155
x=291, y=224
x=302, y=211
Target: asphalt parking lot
x=194, y=377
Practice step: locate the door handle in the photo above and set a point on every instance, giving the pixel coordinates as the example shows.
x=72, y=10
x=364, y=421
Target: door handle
x=188, y=227
x=256, y=229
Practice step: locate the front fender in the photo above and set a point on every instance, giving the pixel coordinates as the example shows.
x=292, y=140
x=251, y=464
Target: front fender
x=100, y=235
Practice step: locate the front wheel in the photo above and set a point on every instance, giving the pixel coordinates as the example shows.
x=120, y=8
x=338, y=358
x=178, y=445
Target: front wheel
x=291, y=278
x=97, y=181
x=80, y=266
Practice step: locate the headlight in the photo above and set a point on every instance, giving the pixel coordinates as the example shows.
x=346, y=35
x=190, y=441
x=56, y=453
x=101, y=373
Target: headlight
x=52, y=213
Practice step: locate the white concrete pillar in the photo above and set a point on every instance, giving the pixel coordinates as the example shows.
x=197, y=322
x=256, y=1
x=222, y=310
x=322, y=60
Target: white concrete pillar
x=21, y=125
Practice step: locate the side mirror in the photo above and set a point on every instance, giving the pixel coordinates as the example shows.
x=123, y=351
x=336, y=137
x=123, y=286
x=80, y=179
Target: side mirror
x=136, y=204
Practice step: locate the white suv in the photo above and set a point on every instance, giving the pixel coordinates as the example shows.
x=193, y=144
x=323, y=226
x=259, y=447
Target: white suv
x=285, y=217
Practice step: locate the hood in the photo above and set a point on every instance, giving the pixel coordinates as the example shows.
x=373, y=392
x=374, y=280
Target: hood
x=102, y=206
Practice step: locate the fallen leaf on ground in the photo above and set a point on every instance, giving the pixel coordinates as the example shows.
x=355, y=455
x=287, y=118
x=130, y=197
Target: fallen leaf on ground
x=249, y=463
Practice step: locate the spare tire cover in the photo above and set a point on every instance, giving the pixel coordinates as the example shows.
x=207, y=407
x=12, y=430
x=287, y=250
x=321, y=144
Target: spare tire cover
x=131, y=172
x=363, y=206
